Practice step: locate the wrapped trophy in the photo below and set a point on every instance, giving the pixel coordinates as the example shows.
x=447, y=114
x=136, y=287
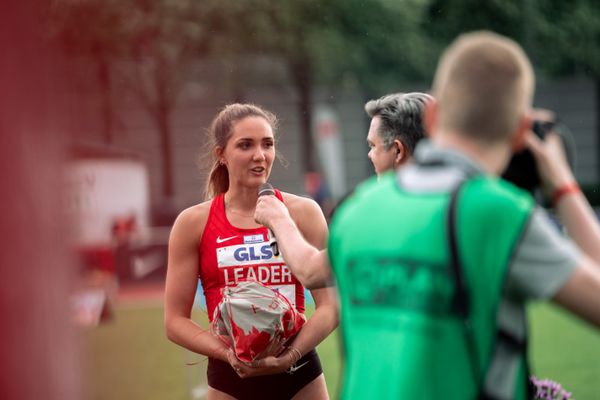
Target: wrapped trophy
x=255, y=321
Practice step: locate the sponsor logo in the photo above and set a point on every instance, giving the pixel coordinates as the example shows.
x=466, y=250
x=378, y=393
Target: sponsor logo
x=249, y=239
x=295, y=368
x=394, y=282
x=251, y=254
x=219, y=240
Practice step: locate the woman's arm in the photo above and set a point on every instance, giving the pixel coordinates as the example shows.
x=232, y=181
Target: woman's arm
x=181, y=284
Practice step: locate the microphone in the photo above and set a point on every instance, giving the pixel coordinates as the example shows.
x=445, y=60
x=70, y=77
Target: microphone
x=266, y=189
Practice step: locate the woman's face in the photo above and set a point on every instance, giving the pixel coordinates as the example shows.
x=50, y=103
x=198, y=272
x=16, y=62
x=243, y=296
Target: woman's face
x=249, y=152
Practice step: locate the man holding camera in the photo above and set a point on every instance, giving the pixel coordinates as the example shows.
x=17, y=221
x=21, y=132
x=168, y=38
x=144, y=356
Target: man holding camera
x=435, y=264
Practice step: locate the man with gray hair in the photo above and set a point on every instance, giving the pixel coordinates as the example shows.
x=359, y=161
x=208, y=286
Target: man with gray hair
x=396, y=127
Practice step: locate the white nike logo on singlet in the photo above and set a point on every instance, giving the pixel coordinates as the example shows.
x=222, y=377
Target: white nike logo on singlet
x=219, y=240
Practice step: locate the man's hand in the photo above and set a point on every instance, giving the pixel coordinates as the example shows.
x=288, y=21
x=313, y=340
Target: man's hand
x=269, y=209
x=549, y=156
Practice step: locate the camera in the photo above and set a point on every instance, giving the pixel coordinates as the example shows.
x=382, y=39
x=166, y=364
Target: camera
x=522, y=170
x=541, y=128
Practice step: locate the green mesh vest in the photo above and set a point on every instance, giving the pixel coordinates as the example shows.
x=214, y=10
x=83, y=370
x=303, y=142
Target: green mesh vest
x=389, y=251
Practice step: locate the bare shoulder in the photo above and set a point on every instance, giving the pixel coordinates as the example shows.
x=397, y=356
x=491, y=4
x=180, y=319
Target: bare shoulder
x=300, y=205
x=192, y=220
x=309, y=218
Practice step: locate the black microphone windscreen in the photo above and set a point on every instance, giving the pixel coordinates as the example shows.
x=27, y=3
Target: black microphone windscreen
x=266, y=189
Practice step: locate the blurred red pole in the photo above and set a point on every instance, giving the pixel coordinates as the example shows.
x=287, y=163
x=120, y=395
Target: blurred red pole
x=38, y=345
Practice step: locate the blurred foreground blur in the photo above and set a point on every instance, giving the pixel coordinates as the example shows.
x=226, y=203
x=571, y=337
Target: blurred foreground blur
x=38, y=346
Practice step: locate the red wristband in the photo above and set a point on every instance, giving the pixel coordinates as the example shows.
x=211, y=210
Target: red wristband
x=563, y=190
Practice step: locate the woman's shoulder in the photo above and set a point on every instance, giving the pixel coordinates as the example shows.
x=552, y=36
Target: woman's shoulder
x=303, y=210
x=194, y=218
x=309, y=218
x=299, y=203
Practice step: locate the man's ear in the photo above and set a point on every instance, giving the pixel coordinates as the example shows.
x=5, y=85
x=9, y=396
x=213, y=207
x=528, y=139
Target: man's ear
x=400, y=149
x=430, y=117
x=518, y=138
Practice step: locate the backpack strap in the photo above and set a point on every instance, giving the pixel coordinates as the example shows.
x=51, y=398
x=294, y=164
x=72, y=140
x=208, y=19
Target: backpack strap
x=461, y=301
x=506, y=343
x=501, y=376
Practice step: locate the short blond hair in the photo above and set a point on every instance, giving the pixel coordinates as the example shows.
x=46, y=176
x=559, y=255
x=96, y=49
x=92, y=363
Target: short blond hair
x=483, y=85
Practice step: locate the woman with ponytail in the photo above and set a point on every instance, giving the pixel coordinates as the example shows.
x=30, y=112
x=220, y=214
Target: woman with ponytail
x=219, y=242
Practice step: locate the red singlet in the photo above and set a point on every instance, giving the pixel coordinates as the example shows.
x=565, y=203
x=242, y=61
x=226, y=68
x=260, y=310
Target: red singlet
x=229, y=254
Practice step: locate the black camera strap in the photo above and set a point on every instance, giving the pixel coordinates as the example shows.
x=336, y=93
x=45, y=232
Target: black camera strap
x=461, y=305
x=461, y=301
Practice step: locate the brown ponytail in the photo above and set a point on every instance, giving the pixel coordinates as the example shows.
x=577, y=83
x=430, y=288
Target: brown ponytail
x=219, y=133
x=218, y=180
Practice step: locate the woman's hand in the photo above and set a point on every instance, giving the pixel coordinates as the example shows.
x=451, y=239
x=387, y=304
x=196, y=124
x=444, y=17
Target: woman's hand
x=265, y=366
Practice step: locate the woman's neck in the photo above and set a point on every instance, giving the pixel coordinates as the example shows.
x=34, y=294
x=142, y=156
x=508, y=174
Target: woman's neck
x=241, y=200
x=240, y=206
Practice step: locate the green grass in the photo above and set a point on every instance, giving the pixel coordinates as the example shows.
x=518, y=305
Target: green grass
x=566, y=350
x=130, y=358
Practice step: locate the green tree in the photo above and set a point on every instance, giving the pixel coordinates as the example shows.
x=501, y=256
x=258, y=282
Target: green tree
x=566, y=37
x=162, y=38
x=446, y=19
x=561, y=37
x=92, y=29
x=375, y=43
x=567, y=42
x=158, y=38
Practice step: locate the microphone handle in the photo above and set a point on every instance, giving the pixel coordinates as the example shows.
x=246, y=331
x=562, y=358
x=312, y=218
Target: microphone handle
x=273, y=243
